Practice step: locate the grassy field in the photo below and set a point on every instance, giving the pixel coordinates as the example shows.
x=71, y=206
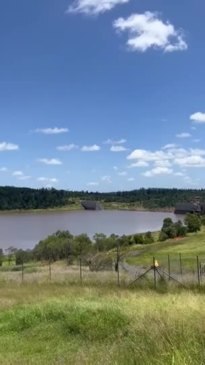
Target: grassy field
x=63, y=321
x=189, y=247
x=73, y=324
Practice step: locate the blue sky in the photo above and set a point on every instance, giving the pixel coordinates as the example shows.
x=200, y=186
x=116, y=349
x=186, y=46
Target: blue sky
x=102, y=94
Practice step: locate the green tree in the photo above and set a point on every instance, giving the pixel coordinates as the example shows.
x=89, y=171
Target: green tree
x=1, y=257
x=148, y=238
x=193, y=222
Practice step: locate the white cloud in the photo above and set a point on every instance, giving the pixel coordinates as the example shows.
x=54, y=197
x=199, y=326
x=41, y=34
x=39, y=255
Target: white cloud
x=191, y=161
x=122, y=173
x=93, y=7
x=47, y=180
x=196, y=140
x=18, y=173
x=92, y=148
x=162, y=163
x=54, y=130
x=106, y=179
x=114, y=142
x=118, y=149
x=3, y=169
x=168, y=158
x=149, y=31
x=183, y=135
x=158, y=171
x=115, y=168
x=139, y=163
x=198, y=117
x=68, y=147
x=130, y=179
x=51, y=161
x=169, y=145
x=5, y=146
x=93, y=183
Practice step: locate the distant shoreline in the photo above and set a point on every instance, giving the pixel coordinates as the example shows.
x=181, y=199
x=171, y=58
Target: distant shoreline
x=78, y=208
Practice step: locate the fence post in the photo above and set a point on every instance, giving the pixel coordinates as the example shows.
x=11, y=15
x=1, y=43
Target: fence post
x=22, y=272
x=198, y=270
x=180, y=263
x=117, y=265
x=81, y=276
x=155, y=276
x=49, y=268
x=169, y=268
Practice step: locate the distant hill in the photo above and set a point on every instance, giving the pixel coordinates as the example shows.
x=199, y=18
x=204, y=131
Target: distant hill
x=152, y=198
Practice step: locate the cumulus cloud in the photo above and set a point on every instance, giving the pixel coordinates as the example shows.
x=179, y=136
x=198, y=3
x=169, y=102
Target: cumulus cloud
x=68, y=147
x=139, y=163
x=183, y=135
x=130, y=179
x=118, y=149
x=114, y=142
x=3, y=169
x=51, y=161
x=198, y=117
x=54, y=130
x=147, y=30
x=92, y=148
x=191, y=157
x=94, y=7
x=5, y=146
x=158, y=171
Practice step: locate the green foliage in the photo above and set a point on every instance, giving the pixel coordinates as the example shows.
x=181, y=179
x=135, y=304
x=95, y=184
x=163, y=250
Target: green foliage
x=172, y=230
x=203, y=220
x=26, y=198
x=148, y=238
x=162, y=236
x=1, y=257
x=193, y=222
x=138, y=239
x=23, y=257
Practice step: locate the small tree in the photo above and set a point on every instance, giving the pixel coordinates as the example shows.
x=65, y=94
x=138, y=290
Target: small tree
x=193, y=222
x=162, y=236
x=148, y=238
x=1, y=257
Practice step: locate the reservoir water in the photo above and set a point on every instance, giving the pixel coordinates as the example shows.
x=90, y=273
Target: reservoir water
x=24, y=230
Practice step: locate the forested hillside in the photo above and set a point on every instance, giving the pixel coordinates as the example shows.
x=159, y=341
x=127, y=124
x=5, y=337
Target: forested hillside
x=25, y=198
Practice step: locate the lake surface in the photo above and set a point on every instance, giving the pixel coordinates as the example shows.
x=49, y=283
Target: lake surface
x=24, y=230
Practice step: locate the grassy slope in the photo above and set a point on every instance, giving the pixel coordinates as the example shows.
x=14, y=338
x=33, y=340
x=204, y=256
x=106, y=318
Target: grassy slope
x=60, y=324
x=189, y=247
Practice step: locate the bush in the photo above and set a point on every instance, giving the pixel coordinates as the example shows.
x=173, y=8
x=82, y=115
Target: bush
x=193, y=222
x=138, y=239
x=162, y=236
x=148, y=238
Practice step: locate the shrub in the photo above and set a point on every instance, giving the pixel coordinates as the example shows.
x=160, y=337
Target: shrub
x=162, y=236
x=148, y=238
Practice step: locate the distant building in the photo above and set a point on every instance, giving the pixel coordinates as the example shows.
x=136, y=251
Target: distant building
x=91, y=205
x=183, y=208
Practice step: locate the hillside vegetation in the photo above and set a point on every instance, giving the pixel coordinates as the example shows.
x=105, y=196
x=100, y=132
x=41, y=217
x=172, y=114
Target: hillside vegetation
x=12, y=198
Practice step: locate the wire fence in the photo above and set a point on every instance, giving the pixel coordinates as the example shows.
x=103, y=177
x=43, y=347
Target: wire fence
x=175, y=269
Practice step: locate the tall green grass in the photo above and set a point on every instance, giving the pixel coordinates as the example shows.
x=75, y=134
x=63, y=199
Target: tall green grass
x=61, y=324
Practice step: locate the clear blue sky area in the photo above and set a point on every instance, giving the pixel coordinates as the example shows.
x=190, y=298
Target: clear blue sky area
x=102, y=94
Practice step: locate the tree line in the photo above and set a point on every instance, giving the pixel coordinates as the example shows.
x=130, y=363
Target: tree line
x=26, y=198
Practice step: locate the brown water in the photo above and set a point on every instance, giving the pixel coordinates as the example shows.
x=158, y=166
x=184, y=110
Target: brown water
x=24, y=230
